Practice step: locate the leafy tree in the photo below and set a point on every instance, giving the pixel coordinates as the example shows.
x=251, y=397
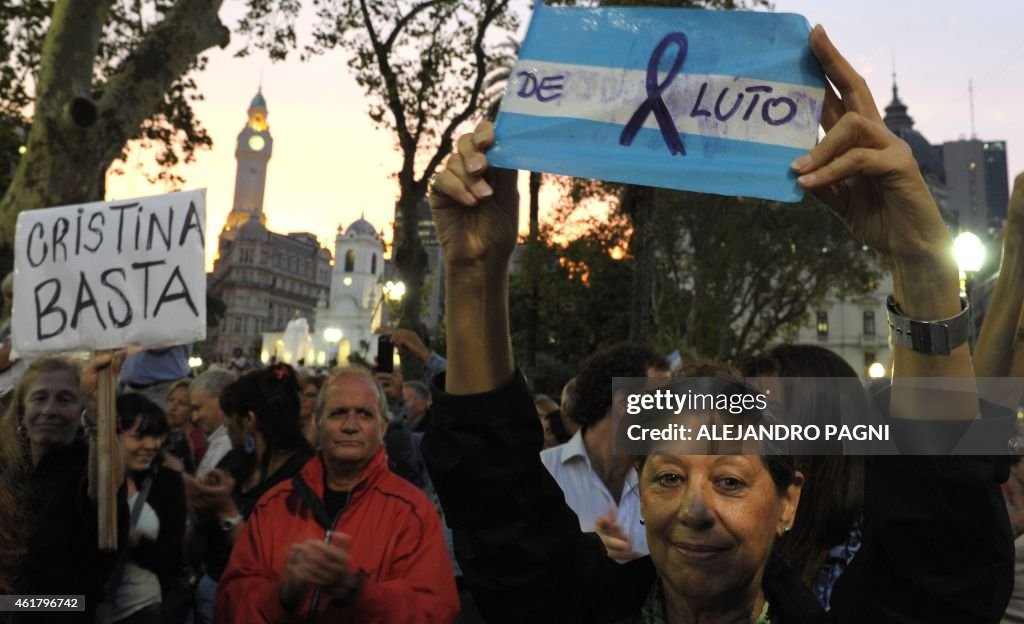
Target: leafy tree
x=583, y=296
x=732, y=275
x=423, y=65
x=93, y=75
x=215, y=309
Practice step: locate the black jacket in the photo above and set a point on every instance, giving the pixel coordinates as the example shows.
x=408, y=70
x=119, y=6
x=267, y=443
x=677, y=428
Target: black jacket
x=63, y=556
x=167, y=498
x=937, y=544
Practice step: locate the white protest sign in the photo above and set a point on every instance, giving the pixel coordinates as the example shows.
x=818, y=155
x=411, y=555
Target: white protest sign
x=109, y=274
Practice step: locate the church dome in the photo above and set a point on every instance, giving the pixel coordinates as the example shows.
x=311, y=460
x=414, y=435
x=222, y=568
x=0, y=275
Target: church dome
x=928, y=156
x=252, y=230
x=361, y=227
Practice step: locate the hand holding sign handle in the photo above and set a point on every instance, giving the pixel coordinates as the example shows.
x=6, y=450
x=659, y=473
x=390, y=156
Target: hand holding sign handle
x=106, y=466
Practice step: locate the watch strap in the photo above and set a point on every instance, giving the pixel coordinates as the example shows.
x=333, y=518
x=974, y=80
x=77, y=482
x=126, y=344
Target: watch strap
x=930, y=337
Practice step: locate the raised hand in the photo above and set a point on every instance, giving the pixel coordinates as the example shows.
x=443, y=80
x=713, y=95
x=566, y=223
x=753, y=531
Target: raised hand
x=865, y=173
x=615, y=540
x=406, y=339
x=475, y=208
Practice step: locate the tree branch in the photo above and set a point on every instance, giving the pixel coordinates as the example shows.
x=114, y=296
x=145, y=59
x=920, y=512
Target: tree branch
x=394, y=99
x=445, y=146
x=135, y=90
x=68, y=54
x=401, y=23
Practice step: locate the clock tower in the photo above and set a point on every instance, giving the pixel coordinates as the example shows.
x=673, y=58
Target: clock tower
x=252, y=153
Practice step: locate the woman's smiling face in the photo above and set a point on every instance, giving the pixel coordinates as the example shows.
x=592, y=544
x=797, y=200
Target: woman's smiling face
x=52, y=410
x=711, y=521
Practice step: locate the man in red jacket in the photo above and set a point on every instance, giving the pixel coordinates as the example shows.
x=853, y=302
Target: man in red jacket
x=346, y=538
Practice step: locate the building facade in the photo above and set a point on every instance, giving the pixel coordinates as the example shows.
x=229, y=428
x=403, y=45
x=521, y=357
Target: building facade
x=265, y=279
x=346, y=319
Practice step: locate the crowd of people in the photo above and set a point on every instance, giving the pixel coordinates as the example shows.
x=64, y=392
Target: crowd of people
x=270, y=494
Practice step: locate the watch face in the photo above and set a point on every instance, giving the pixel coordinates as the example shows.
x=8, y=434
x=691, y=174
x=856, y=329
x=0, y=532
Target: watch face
x=256, y=143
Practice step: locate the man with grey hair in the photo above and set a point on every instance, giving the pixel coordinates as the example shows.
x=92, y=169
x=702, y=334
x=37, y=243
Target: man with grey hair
x=206, y=413
x=301, y=558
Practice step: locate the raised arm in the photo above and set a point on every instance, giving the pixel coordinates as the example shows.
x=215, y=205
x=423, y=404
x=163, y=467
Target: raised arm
x=476, y=213
x=869, y=178
x=998, y=340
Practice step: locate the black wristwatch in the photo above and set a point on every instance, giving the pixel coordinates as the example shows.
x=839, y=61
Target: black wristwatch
x=931, y=337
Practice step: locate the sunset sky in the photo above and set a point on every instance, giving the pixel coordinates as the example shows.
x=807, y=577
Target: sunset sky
x=330, y=164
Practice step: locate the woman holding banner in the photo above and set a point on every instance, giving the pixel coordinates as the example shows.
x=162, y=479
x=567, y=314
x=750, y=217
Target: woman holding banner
x=53, y=477
x=936, y=541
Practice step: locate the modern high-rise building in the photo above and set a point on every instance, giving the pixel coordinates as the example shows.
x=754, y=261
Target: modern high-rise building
x=977, y=184
x=997, y=180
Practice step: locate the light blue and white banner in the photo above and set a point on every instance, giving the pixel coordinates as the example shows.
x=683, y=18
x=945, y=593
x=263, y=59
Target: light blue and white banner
x=708, y=101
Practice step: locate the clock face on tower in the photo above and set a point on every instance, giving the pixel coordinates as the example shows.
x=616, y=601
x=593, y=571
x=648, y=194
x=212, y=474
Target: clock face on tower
x=256, y=143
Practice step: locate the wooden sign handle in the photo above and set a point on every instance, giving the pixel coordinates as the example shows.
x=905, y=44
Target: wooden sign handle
x=106, y=447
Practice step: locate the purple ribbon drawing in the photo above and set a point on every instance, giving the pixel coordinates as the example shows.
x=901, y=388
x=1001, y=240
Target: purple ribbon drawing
x=654, y=103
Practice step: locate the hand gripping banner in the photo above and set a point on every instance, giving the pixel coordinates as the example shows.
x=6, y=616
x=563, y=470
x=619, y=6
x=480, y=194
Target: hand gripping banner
x=708, y=101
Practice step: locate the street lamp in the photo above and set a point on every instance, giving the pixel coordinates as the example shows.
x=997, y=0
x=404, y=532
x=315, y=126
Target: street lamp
x=970, y=255
x=394, y=291
x=969, y=251
x=332, y=335
x=876, y=370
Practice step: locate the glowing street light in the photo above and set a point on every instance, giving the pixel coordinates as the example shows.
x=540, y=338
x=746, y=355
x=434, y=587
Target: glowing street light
x=969, y=252
x=394, y=291
x=876, y=370
x=332, y=334
x=195, y=362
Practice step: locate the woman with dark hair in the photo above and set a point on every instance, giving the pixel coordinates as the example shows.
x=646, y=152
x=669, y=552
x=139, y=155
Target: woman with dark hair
x=12, y=513
x=147, y=572
x=262, y=418
x=309, y=391
x=828, y=530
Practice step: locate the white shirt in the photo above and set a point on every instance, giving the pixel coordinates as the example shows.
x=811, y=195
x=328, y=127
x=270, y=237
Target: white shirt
x=588, y=496
x=217, y=446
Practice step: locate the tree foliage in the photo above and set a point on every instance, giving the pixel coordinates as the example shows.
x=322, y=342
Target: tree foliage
x=733, y=275
x=583, y=295
x=90, y=76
